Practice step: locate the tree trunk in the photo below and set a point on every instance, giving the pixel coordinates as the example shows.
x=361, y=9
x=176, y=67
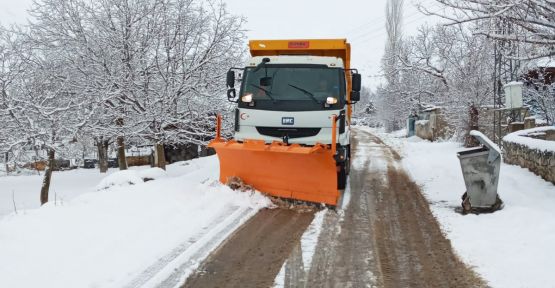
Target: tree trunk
x=159, y=156
x=102, y=147
x=474, y=115
x=47, y=177
x=122, y=160
x=6, y=158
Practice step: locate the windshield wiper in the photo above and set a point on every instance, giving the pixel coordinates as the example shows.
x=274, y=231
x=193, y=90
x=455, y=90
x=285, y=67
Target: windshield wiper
x=306, y=92
x=268, y=93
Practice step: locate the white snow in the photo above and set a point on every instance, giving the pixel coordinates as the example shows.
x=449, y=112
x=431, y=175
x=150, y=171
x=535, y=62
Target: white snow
x=152, y=173
x=131, y=177
x=422, y=122
x=309, y=240
x=123, y=236
x=509, y=248
x=64, y=186
x=120, y=178
x=346, y=195
x=486, y=141
x=545, y=62
x=519, y=137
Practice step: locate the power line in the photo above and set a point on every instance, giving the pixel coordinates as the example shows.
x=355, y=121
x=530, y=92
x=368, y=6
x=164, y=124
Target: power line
x=381, y=28
x=383, y=32
x=360, y=28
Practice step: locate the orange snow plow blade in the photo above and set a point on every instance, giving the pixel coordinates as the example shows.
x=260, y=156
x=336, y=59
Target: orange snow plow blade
x=294, y=172
x=280, y=170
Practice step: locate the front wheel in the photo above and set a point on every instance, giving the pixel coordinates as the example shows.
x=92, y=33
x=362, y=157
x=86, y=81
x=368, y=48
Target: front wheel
x=348, y=162
x=342, y=176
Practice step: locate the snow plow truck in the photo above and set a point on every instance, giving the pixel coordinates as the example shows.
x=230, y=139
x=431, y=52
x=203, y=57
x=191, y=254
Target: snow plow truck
x=292, y=121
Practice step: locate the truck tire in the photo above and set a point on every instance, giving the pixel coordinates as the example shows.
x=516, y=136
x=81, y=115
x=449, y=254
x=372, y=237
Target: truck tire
x=342, y=177
x=348, y=162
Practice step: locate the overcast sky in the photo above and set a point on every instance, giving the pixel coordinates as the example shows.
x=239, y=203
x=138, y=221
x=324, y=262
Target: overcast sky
x=360, y=21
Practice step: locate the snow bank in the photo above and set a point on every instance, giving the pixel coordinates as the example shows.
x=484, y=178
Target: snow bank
x=131, y=177
x=152, y=174
x=120, y=178
x=509, y=248
x=24, y=190
x=124, y=236
x=519, y=137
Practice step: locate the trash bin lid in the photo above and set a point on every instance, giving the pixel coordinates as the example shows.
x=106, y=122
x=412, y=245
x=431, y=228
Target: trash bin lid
x=494, y=151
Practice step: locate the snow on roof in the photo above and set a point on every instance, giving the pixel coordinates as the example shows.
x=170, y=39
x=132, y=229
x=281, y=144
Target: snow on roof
x=519, y=137
x=545, y=62
x=429, y=108
x=539, y=121
x=422, y=122
x=514, y=83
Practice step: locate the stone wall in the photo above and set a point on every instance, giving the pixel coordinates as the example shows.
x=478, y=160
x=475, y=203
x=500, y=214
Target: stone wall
x=138, y=160
x=539, y=161
x=432, y=125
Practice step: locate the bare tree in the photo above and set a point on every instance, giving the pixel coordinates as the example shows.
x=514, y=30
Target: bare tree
x=391, y=107
x=41, y=106
x=529, y=21
x=451, y=67
x=113, y=71
x=154, y=69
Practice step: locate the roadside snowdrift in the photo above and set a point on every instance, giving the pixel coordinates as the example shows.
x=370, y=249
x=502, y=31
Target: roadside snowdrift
x=512, y=247
x=112, y=237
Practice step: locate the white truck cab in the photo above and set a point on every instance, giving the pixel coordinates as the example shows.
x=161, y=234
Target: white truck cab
x=296, y=104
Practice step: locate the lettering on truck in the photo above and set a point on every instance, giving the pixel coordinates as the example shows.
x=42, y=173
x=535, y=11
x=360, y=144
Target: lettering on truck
x=287, y=121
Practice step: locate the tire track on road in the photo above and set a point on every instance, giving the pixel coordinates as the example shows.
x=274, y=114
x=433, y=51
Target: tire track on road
x=255, y=253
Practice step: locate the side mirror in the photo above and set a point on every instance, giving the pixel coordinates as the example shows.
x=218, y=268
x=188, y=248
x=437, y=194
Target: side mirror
x=232, y=95
x=230, y=79
x=355, y=96
x=357, y=82
x=266, y=81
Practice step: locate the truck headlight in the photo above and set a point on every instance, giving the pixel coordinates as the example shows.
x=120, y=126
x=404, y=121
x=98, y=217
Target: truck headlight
x=247, y=98
x=331, y=100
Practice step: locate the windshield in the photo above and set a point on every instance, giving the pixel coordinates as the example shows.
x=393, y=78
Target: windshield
x=293, y=87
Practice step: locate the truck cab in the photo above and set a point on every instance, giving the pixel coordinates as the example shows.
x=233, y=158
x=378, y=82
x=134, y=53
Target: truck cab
x=292, y=99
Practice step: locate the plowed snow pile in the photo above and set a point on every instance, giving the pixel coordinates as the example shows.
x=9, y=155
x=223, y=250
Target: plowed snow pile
x=125, y=233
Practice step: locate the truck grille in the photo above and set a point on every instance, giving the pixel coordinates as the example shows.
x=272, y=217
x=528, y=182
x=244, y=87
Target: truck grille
x=292, y=133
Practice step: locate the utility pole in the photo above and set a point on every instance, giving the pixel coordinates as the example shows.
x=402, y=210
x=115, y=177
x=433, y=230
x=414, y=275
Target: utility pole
x=506, y=70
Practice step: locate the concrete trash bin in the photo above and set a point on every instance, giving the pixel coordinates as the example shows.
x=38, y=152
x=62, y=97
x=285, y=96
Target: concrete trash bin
x=480, y=167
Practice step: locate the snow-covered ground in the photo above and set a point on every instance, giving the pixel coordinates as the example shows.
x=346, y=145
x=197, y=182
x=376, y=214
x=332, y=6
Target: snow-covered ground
x=509, y=248
x=25, y=190
x=110, y=233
